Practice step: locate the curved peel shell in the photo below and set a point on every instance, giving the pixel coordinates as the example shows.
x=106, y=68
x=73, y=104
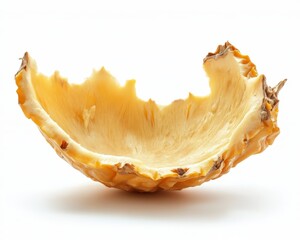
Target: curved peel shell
x=109, y=134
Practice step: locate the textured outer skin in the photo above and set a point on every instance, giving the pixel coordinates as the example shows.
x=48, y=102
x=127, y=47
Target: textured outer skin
x=130, y=177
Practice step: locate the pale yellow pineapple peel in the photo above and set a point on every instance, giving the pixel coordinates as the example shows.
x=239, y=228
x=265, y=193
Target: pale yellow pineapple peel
x=109, y=134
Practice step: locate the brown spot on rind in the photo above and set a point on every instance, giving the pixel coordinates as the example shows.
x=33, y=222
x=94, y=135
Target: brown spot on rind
x=180, y=171
x=221, y=50
x=246, y=141
x=264, y=114
x=270, y=100
x=217, y=164
x=127, y=168
x=64, y=145
x=247, y=70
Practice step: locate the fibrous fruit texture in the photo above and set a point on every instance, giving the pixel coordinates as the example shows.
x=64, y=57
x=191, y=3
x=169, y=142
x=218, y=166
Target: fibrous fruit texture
x=109, y=134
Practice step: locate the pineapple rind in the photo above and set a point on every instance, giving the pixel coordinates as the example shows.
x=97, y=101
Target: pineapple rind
x=131, y=174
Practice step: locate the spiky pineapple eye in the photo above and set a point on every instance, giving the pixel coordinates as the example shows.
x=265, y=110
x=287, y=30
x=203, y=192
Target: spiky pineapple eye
x=108, y=133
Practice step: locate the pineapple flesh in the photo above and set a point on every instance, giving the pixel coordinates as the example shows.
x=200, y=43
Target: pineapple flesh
x=109, y=134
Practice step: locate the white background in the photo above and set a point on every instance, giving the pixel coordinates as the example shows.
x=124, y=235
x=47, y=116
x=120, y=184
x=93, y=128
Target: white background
x=161, y=44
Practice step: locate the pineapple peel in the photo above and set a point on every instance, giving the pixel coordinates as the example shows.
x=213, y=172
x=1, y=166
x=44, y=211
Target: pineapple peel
x=109, y=134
